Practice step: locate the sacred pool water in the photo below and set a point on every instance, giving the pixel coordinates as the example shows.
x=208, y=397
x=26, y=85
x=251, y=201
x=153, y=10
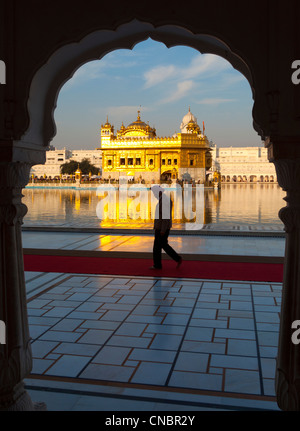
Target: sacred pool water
x=252, y=205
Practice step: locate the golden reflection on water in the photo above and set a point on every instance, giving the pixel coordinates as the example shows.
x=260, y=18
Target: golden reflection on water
x=241, y=204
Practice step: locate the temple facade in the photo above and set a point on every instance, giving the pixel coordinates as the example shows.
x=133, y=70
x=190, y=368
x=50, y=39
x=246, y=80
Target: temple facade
x=137, y=153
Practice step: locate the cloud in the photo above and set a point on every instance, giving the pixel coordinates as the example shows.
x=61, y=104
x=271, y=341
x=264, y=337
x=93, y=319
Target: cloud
x=99, y=69
x=87, y=72
x=205, y=64
x=214, y=101
x=159, y=74
x=199, y=66
x=182, y=88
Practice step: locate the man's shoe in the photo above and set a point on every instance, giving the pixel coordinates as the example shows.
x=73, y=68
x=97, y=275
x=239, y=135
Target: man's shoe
x=155, y=267
x=179, y=262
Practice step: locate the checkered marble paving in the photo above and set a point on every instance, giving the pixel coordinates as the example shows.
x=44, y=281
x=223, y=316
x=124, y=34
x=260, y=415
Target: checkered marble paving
x=172, y=333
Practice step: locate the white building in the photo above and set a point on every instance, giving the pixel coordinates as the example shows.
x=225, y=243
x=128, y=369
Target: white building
x=94, y=156
x=236, y=164
x=243, y=164
x=56, y=158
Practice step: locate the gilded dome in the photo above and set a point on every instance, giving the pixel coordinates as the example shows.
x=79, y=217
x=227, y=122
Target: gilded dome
x=137, y=124
x=137, y=128
x=107, y=125
x=192, y=127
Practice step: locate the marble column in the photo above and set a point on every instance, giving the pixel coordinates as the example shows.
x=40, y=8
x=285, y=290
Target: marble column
x=288, y=360
x=15, y=354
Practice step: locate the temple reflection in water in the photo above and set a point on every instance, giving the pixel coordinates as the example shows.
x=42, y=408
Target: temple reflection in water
x=241, y=204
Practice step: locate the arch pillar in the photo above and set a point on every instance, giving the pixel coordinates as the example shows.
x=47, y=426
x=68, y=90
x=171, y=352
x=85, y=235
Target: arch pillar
x=286, y=159
x=15, y=353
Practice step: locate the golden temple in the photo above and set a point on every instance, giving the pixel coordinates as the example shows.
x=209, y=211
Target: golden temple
x=137, y=153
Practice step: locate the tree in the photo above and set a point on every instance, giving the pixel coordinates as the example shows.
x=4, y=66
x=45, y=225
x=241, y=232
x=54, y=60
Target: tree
x=86, y=167
x=69, y=168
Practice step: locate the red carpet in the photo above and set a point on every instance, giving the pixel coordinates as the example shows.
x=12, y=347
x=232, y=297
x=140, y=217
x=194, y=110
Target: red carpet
x=214, y=270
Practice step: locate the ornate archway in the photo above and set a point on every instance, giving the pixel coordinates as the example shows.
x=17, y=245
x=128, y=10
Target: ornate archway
x=27, y=124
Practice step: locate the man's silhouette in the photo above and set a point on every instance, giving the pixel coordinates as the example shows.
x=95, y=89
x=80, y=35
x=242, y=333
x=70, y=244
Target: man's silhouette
x=162, y=226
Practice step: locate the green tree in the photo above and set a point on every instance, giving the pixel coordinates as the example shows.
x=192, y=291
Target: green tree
x=69, y=168
x=86, y=167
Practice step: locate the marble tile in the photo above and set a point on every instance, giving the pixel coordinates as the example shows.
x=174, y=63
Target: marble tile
x=68, y=366
x=152, y=355
x=209, y=323
x=193, y=380
x=266, y=338
x=67, y=325
x=165, y=329
x=37, y=330
x=40, y=349
x=122, y=341
x=242, y=381
x=131, y=329
x=58, y=312
x=76, y=349
x=39, y=366
x=232, y=361
x=176, y=319
x=112, y=355
x=38, y=303
x=242, y=347
x=107, y=372
x=167, y=342
x=117, y=316
x=187, y=361
x=95, y=336
x=151, y=373
x=268, y=366
x=59, y=336
x=241, y=323
x=199, y=334
x=100, y=324
x=235, y=334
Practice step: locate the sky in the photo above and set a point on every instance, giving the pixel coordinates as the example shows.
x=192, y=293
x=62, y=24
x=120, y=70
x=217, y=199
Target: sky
x=162, y=83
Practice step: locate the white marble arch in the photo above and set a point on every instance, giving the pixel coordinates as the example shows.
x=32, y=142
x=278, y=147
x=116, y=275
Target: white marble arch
x=283, y=142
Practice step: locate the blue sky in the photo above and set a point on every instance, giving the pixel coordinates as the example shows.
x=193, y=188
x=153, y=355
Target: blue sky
x=162, y=82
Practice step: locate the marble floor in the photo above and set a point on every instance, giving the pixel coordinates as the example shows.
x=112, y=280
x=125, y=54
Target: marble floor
x=112, y=343
x=152, y=343
x=190, y=244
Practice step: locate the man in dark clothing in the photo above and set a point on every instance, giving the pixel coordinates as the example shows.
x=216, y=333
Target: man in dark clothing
x=162, y=226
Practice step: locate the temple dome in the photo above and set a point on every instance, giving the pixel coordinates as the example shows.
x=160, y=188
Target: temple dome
x=137, y=124
x=189, y=118
x=137, y=128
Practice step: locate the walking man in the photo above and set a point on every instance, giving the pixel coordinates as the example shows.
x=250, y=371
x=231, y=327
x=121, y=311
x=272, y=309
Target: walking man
x=162, y=226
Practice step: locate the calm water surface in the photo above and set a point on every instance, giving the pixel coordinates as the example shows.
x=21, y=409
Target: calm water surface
x=234, y=204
